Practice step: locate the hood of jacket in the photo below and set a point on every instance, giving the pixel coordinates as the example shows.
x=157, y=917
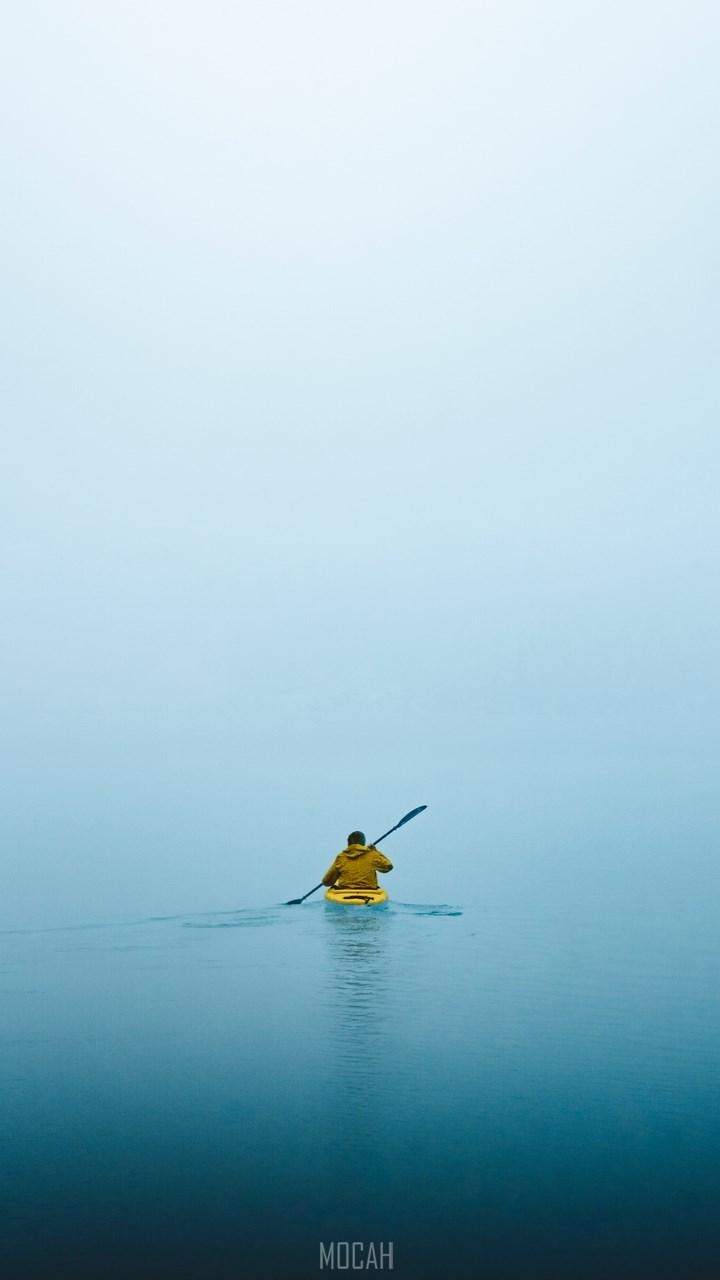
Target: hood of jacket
x=355, y=850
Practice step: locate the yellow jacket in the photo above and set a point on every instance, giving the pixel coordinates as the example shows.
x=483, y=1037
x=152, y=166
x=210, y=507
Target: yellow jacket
x=356, y=867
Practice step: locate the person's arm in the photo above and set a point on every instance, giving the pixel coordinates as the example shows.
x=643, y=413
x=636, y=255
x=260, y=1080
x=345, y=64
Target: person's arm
x=382, y=864
x=331, y=875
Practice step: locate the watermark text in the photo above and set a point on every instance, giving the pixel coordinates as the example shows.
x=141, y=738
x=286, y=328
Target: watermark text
x=356, y=1255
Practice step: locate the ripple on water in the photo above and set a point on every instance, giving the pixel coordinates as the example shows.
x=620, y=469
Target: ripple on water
x=426, y=909
x=260, y=917
x=246, y=918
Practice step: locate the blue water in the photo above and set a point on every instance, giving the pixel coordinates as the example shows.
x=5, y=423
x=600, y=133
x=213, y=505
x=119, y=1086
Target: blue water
x=504, y=1090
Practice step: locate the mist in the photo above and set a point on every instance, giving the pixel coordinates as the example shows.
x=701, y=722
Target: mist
x=358, y=449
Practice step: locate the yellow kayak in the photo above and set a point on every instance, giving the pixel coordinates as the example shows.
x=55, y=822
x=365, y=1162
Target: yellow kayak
x=356, y=897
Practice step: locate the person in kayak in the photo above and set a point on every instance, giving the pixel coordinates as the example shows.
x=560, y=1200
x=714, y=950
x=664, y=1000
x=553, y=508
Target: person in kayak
x=357, y=866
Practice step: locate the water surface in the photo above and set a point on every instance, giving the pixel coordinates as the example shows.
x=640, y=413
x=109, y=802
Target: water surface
x=500, y=1090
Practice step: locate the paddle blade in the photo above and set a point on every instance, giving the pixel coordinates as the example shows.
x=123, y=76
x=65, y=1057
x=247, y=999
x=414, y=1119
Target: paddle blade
x=412, y=814
x=297, y=902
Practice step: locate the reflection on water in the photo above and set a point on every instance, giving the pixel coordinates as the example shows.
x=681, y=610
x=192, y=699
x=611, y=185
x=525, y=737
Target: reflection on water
x=357, y=999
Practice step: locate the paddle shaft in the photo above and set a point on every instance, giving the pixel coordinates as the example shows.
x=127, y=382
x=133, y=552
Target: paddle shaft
x=295, y=902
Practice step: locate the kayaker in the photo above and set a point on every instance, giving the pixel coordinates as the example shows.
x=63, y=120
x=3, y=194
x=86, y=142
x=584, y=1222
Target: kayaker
x=357, y=866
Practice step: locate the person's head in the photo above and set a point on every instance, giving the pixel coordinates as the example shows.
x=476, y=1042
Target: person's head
x=356, y=837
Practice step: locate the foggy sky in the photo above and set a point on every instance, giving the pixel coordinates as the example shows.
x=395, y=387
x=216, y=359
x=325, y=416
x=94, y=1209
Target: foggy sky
x=359, y=444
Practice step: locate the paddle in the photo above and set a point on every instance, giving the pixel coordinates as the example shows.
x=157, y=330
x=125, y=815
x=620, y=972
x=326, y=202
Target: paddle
x=295, y=902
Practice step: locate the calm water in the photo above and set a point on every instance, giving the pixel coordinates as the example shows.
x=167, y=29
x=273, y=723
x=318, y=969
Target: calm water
x=500, y=1090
